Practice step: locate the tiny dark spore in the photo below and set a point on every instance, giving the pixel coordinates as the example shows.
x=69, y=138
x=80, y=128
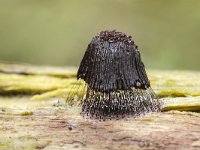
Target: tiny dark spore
x=70, y=128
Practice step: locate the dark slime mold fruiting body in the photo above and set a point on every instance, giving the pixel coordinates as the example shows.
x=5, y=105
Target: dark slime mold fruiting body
x=117, y=83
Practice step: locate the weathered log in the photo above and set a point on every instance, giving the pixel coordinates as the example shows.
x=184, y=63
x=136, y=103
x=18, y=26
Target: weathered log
x=34, y=115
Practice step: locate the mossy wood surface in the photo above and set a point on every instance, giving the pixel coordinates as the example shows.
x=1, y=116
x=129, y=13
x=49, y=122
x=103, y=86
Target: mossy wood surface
x=34, y=115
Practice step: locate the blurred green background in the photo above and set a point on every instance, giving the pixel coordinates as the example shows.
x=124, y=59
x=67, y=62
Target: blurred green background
x=57, y=32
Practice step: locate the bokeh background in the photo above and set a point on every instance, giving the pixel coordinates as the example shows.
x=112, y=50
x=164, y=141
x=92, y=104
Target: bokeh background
x=57, y=32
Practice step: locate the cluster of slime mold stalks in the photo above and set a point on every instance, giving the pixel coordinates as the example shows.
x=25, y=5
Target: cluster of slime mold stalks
x=117, y=83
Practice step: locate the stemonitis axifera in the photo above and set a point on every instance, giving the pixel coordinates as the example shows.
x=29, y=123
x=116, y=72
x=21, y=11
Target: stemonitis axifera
x=117, y=83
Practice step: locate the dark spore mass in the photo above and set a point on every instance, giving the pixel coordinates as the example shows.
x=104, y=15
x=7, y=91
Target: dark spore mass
x=117, y=83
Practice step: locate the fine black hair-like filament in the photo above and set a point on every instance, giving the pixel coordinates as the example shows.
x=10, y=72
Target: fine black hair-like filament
x=119, y=104
x=117, y=83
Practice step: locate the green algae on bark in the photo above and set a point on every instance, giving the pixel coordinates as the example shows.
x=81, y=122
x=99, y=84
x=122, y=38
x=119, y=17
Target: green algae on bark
x=45, y=83
x=27, y=69
x=69, y=94
x=182, y=104
x=29, y=104
x=178, y=92
x=175, y=83
x=10, y=143
x=164, y=83
x=30, y=84
x=26, y=113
